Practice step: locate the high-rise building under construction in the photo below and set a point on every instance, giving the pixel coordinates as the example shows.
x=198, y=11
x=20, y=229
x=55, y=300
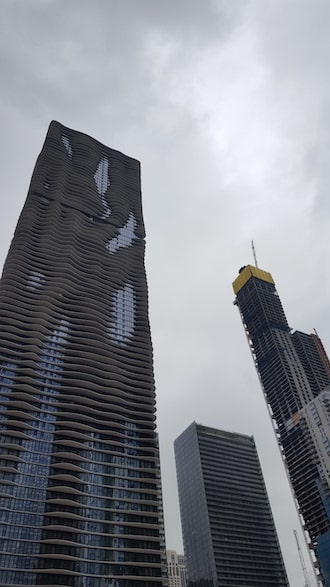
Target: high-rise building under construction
x=80, y=497
x=295, y=375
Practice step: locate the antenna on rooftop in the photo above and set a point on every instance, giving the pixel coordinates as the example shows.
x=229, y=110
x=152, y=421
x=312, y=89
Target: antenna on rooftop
x=254, y=254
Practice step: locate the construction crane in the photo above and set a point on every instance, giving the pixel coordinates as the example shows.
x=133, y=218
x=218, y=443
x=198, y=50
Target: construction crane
x=302, y=561
x=254, y=254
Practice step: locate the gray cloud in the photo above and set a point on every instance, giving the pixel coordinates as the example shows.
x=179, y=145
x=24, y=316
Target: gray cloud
x=225, y=104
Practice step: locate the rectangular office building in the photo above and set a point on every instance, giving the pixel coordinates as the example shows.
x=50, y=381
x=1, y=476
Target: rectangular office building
x=228, y=529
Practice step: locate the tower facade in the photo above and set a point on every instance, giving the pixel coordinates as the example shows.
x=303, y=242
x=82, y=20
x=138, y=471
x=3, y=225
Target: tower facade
x=176, y=569
x=229, y=535
x=80, y=501
x=294, y=371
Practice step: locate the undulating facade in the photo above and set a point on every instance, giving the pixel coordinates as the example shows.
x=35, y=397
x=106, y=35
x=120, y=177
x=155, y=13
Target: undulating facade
x=80, y=499
x=294, y=371
x=229, y=534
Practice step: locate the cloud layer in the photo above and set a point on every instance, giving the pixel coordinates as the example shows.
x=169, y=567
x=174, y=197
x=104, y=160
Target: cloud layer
x=226, y=105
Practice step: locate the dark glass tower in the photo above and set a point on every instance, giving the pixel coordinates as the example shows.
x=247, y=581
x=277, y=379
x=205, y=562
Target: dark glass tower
x=80, y=501
x=294, y=372
x=229, y=535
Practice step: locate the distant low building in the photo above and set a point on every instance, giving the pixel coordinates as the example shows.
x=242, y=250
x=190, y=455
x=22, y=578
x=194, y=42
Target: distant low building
x=176, y=569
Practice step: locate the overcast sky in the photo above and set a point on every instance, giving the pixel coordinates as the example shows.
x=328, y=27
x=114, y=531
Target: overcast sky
x=226, y=105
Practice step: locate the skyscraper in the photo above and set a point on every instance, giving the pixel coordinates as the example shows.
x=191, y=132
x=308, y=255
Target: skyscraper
x=229, y=535
x=294, y=371
x=80, y=500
